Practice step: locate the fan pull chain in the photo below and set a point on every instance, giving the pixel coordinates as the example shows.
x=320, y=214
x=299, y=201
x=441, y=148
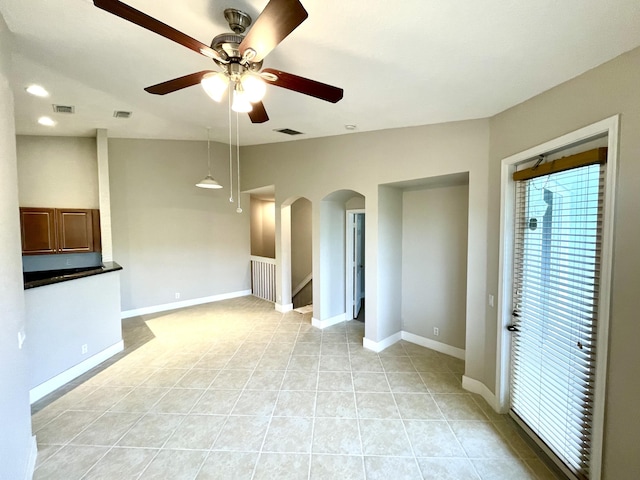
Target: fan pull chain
x=230, y=154
x=239, y=209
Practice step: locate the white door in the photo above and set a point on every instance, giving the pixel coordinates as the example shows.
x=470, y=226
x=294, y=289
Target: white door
x=358, y=264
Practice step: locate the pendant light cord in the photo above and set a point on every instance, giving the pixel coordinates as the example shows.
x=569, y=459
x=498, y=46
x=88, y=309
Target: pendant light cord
x=230, y=154
x=239, y=209
x=208, y=151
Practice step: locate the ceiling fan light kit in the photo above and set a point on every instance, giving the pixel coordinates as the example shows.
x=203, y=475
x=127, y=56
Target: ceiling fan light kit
x=215, y=84
x=239, y=56
x=241, y=103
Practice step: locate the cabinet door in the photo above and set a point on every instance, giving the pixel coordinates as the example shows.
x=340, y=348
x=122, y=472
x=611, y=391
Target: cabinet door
x=38, y=228
x=75, y=230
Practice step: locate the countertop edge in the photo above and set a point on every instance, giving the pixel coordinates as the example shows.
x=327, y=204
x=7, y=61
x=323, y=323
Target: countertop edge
x=107, y=267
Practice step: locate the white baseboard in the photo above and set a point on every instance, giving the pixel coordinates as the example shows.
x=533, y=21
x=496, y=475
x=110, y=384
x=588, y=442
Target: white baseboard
x=45, y=388
x=185, y=303
x=433, y=345
x=33, y=455
x=328, y=322
x=481, y=389
x=382, y=344
x=284, y=307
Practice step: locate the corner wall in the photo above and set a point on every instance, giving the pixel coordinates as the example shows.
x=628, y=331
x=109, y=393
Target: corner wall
x=16, y=454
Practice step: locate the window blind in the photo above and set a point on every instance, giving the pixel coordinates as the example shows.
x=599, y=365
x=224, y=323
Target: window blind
x=555, y=304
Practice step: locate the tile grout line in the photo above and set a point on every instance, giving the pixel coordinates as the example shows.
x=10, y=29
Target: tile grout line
x=266, y=432
x=357, y=415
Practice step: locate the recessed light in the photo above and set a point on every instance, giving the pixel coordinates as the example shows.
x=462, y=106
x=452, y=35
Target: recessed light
x=37, y=90
x=350, y=127
x=46, y=121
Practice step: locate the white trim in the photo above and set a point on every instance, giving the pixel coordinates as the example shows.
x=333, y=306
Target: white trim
x=475, y=386
x=270, y=261
x=328, y=322
x=284, y=308
x=31, y=463
x=45, y=388
x=382, y=344
x=609, y=127
x=433, y=345
x=185, y=303
x=302, y=284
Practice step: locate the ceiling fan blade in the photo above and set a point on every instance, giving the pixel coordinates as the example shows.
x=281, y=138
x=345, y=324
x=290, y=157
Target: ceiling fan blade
x=289, y=81
x=277, y=20
x=177, y=83
x=258, y=114
x=123, y=10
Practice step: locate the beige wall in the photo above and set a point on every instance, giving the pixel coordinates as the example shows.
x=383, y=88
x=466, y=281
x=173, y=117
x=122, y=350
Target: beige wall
x=263, y=235
x=605, y=91
x=57, y=172
x=170, y=236
x=301, y=231
x=15, y=414
x=434, y=262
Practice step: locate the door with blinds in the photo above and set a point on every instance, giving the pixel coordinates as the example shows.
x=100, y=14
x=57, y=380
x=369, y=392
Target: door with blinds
x=556, y=272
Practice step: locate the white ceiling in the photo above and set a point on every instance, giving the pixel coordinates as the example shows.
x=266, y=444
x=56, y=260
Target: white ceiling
x=430, y=61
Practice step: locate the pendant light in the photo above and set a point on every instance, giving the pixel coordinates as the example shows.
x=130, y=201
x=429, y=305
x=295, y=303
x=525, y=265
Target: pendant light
x=208, y=181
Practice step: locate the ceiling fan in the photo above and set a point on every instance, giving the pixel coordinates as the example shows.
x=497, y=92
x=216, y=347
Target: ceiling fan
x=240, y=56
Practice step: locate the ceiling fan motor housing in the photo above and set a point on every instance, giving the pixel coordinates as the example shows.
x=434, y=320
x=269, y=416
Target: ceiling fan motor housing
x=228, y=46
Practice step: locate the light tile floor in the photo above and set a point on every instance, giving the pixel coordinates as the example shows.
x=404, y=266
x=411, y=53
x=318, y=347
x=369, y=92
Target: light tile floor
x=236, y=390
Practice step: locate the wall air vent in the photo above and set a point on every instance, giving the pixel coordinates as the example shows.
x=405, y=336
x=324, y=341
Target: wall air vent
x=64, y=109
x=122, y=114
x=288, y=131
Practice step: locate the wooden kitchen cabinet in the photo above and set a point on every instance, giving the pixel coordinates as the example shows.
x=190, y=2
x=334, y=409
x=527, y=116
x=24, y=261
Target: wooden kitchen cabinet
x=59, y=230
x=38, y=226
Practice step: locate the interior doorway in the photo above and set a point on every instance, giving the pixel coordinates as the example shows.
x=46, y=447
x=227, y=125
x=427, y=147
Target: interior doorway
x=355, y=265
x=301, y=253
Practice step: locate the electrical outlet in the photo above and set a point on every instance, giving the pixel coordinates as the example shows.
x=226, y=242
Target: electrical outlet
x=436, y=331
x=85, y=348
x=177, y=295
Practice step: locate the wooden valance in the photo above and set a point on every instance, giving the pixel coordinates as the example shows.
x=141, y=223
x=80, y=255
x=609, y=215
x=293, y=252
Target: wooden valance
x=590, y=157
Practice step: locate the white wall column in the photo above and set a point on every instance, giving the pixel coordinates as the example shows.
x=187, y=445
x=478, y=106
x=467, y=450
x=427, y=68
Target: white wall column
x=283, y=259
x=104, y=194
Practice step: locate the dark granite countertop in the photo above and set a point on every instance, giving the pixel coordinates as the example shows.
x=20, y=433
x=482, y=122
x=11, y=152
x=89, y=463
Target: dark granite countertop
x=40, y=279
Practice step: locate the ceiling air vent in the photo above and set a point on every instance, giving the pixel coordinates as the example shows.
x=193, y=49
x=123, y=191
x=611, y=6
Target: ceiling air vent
x=122, y=114
x=64, y=109
x=288, y=131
